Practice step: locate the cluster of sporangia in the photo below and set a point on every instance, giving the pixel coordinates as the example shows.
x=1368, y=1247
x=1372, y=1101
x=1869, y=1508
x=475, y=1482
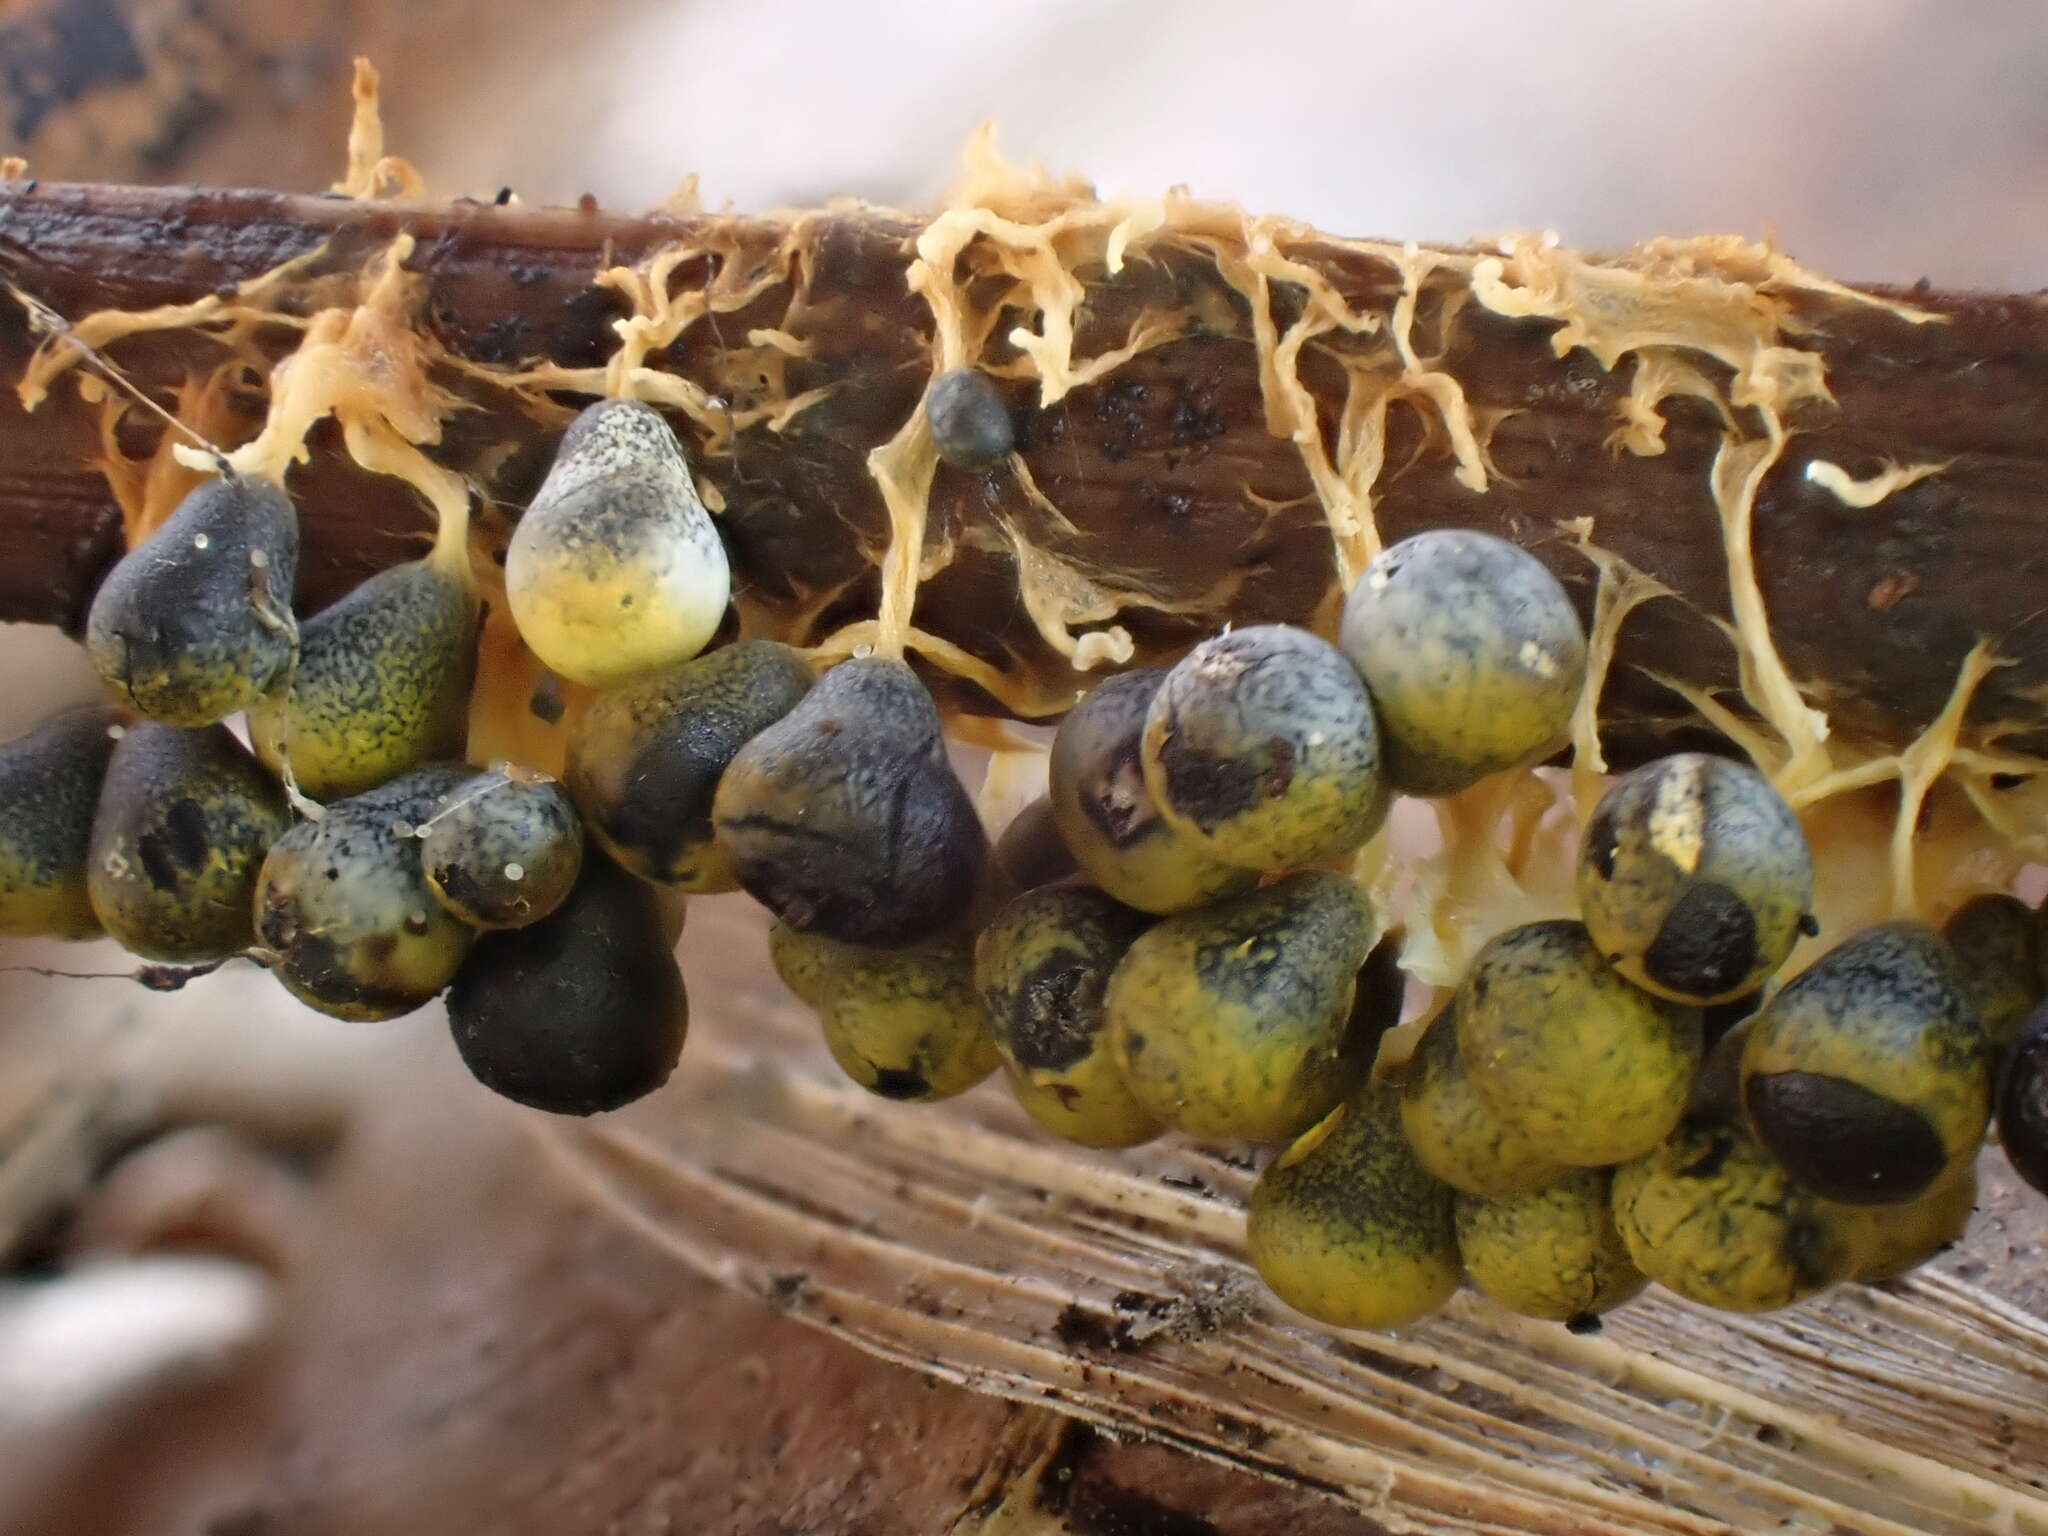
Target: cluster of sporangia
x=1167, y=941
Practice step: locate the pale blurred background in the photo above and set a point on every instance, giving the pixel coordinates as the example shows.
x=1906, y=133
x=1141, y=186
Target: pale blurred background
x=1875, y=139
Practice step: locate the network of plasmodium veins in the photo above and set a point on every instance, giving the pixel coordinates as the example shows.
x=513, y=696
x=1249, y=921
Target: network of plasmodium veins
x=1171, y=940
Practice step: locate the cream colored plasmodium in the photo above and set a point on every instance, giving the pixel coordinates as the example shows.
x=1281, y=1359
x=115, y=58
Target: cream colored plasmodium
x=615, y=569
x=1347, y=1226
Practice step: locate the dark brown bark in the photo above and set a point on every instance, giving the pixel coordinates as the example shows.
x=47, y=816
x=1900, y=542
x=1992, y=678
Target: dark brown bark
x=1165, y=468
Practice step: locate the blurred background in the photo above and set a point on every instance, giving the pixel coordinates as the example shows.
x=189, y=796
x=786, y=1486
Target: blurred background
x=192, y=1337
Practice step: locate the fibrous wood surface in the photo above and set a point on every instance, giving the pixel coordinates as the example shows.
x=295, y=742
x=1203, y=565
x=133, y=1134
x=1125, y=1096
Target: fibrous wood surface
x=1222, y=417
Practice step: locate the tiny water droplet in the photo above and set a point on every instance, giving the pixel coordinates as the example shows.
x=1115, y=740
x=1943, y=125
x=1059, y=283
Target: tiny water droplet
x=200, y=541
x=515, y=872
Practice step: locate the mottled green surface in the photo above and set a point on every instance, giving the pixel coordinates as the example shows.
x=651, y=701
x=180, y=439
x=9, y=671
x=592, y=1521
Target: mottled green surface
x=1903, y=1237
x=502, y=848
x=1552, y=1253
x=1235, y=1020
x=800, y=960
x=1997, y=943
x=1261, y=746
x=907, y=1023
x=382, y=684
x=1695, y=878
x=1892, y=1061
x=1591, y=1069
x=1457, y=1136
x=195, y=622
x=343, y=905
x=615, y=569
x=845, y=816
x=1042, y=967
x=1473, y=653
x=645, y=763
x=49, y=785
x=1108, y=817
x=1710, y=1215
x=582, y=1012
x=1348, y=1227
x=185, y=818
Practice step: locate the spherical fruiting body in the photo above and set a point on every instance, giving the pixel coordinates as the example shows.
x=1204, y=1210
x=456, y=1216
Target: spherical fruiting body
x=1043, y=967
x=382, y=684
x=184, y=820
x=616, y=570
x=1234, y=1020
x=195, y=622
x=1030, y=851
x=1900, y=1238
x=1997, y=944
x=969, y=420
x=1587, y=1067
x=1695, y=878
x=1868, y=1076
x=1109, y=819
x=50, y=781
x=645, y=763
x=503, y=848
x=907, y=1023
x=1473, y=653
x=1552, y=1253
x=1348, y=1227
x=343, y=908
x=1455, y=1132
x=800, y=959
x=845, y=816
x=1711, y=1215
x=582, y=1011
x=2023, y=1101
x=1261, y=747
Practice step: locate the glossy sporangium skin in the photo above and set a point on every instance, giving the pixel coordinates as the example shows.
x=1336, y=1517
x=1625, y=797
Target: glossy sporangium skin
x=195, y=623
x=969, y=420
x=845, y=816
x=1043, y=967
x=1108, y=817
x=1695, y=878
x=907, y=1023
x=50, y=781
x=1868, y=1075
x=1473, y=653
x=616, y=569
x=1566, y=1051
x=185, y=818
x=1455, y=1132
x=1997, y=944
x=382, y=684
x=1551, y=1253
x=1261, y=747
x=2023, y=1101
x=343, y=908
x=582, y=1012
x=1347, y=1227
x=1236, y=1019
x=1711, y=1215
x=503, y=848
x=646, y=761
